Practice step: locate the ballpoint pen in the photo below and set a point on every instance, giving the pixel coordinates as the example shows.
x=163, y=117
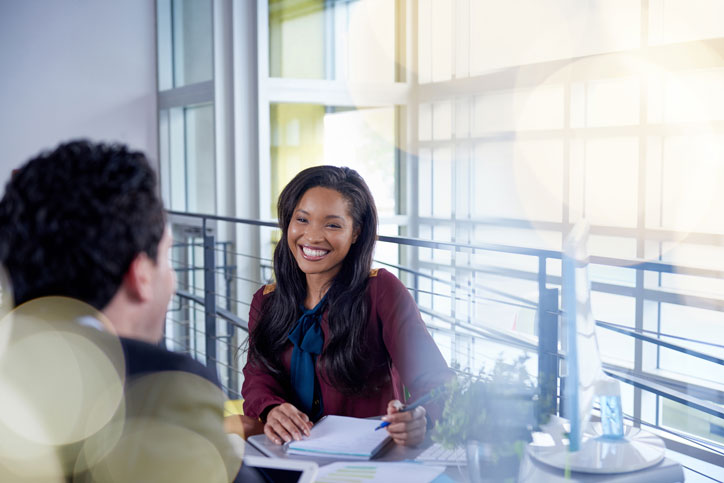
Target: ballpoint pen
x=424, y=399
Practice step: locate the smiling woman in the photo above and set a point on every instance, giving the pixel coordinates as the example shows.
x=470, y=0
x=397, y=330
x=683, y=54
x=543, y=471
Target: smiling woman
x=320, y=235
x=333, y=336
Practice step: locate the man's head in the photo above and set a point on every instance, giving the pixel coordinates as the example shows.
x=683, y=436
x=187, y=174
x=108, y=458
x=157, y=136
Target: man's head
x=84, y=221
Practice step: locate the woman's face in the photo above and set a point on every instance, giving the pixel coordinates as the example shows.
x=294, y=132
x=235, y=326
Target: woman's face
x=321, y=232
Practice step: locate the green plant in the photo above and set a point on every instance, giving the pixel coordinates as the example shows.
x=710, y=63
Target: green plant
x=494, y=406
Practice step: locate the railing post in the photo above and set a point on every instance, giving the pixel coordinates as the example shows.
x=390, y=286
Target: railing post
x=547, y=345
x=210, y=297
x=231, y=362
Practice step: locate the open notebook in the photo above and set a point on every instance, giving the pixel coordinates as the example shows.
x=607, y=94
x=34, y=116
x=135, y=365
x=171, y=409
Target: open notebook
x=342, y=437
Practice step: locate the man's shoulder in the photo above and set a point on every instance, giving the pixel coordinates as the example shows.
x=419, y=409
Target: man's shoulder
x=142, y=357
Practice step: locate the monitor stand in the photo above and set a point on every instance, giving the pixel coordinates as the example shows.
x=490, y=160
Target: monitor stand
x=637, y=450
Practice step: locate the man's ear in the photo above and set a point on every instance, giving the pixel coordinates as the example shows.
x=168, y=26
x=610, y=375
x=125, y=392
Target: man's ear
x=138, y=278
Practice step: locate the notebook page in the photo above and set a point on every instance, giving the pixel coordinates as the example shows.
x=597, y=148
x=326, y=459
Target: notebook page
x=342, y=435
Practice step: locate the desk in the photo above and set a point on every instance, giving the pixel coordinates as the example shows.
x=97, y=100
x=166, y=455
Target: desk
x=391, y=452
x=531, y=471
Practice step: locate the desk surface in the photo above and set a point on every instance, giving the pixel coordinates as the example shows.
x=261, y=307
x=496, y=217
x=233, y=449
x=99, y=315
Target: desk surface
x=531, y=471
x=391, y=452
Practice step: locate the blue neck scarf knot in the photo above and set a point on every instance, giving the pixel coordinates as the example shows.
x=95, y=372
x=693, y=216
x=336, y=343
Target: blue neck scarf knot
x=308, y=340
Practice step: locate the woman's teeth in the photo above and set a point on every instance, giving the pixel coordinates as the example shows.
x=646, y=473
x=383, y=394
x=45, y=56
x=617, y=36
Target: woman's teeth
x=314, y=253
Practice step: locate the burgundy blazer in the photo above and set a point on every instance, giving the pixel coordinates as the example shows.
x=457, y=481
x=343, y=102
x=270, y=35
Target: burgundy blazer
x=395, y=328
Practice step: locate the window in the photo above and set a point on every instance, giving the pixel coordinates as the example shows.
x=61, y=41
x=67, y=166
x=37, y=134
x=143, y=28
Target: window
x=185, y=52
x=333, y=99
x=344, y=40
x=470, y=130
x=304, y=135
x=186, y=109
x=187, y=146
x=610, y=112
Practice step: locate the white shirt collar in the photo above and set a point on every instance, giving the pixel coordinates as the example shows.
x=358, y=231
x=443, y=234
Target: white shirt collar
x=89, y=321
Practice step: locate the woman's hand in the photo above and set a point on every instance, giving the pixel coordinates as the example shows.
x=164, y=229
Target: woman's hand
x=285, y=423
x=406, y=428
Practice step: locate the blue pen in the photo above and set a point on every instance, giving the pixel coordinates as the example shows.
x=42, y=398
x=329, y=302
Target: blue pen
x=424, y=399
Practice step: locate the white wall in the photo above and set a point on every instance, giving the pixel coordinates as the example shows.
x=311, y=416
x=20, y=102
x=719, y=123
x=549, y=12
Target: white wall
x=80, y=68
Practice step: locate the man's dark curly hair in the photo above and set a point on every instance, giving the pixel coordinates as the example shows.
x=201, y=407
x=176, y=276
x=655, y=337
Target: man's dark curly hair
x=73, y=220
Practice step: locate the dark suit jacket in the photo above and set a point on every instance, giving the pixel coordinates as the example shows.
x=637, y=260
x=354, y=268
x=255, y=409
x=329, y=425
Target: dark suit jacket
x=142, y=358
x=79, y=404
x=173, y=422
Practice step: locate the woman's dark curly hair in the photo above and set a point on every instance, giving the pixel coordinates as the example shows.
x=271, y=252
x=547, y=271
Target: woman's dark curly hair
x=345, y=361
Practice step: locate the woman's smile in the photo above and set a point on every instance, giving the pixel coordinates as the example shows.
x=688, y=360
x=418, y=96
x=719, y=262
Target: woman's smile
x=312, y=253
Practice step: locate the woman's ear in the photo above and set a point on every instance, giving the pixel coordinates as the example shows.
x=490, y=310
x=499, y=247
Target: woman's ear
x=355, y=235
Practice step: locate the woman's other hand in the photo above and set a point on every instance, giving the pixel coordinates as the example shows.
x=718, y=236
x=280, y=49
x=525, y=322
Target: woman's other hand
x=406, y=428
x=285, y=423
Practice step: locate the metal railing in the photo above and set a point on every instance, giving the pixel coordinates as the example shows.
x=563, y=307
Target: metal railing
x=216, y=327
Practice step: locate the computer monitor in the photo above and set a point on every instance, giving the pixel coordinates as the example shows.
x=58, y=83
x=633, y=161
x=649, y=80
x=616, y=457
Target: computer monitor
x=599, y=448
x=583, y=361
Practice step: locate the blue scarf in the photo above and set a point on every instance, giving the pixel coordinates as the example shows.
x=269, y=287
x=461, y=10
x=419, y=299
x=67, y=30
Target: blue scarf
x=308, y=340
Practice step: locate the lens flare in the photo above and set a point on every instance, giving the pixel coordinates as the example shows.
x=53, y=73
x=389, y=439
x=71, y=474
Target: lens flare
x=62, y=381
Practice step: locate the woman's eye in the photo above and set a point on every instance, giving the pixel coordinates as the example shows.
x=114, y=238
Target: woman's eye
x=333, y=225
x=301, y=220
